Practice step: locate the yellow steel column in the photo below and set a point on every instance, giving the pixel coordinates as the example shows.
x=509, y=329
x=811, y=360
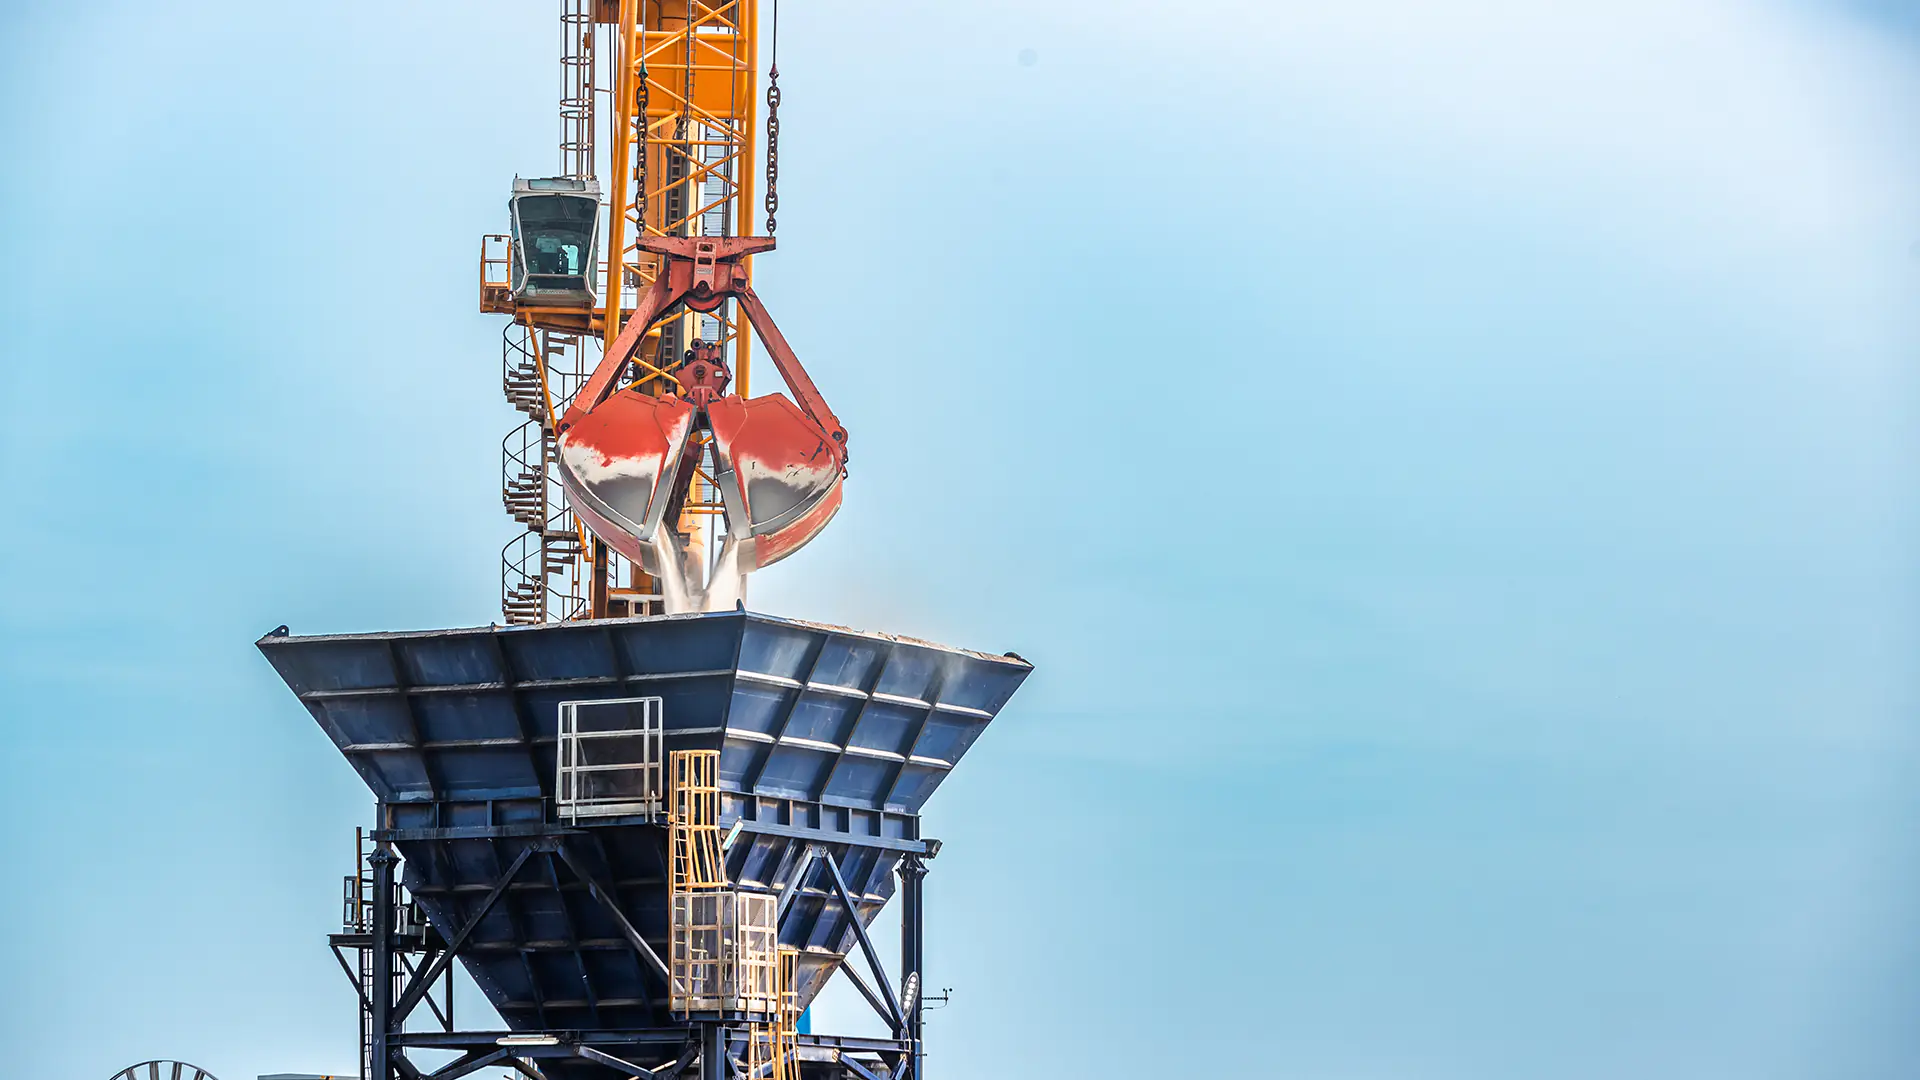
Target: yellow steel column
x=623, y=107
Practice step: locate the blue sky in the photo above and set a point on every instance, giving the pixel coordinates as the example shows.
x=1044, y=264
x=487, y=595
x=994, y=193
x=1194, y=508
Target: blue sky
x=1452, y=465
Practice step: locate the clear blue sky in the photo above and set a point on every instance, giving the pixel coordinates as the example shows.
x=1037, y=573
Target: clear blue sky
x=1453, y=464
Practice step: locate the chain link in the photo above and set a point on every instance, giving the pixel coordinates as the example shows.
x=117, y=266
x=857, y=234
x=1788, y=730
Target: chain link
x=773, y=145
x=640, y=167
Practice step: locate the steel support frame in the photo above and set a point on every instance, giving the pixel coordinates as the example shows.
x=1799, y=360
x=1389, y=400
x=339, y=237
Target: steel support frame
x=389, y=1014
x=891, y=1013
x=903, y=1016
x=380, y=995
x=708, y=1043
x=913, y=874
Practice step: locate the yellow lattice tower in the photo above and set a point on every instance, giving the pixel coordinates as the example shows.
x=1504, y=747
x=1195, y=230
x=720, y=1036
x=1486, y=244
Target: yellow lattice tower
x=685, y=140
x=684, y=144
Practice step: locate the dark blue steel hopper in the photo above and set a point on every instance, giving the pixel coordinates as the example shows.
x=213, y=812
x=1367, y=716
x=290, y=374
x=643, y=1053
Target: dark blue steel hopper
x=831, y=740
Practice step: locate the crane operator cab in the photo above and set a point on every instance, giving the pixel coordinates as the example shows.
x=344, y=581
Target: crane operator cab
x=556, y=242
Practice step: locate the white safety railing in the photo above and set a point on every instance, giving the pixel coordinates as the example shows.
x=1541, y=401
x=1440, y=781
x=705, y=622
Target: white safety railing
x=609, y=759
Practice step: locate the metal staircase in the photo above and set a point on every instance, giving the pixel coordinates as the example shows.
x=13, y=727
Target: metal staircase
x=540, y=569
x=545, y=570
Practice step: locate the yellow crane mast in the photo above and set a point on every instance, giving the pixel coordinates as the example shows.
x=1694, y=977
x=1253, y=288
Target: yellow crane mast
x=662, y=99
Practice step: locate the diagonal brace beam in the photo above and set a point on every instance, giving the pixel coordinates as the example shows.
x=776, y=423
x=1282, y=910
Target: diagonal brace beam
x=526, y=1068
x=866, y=991
x=603, y=1058
x=427, y=998
x=668, y=1072
x=792, y=891
x=473, y=1062
x=866, y=947
x=423, y=981
x=353, y=978
x=608, y=901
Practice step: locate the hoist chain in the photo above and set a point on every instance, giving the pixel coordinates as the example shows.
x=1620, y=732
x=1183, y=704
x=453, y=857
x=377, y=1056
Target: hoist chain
x=640, y=166
x=773, y=145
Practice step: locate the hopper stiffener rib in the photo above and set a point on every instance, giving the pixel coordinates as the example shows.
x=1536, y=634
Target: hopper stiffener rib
x=827, y=738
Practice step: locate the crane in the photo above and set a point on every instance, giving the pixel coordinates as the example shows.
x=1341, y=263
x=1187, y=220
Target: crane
x=647, y=477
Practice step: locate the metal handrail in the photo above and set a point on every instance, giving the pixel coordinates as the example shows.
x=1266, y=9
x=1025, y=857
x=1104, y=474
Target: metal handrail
x=571, y=766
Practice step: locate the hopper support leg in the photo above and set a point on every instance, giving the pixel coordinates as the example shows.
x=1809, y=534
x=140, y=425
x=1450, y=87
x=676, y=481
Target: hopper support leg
x=380, y=998
x=713, y=1053
x=913, y=873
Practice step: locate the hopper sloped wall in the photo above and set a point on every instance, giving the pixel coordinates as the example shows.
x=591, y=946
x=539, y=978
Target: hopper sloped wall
x=828, y=737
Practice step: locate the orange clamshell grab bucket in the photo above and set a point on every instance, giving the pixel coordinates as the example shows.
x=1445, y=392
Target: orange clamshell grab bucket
x=778, y=473
x=627, y=458
x=618, y=464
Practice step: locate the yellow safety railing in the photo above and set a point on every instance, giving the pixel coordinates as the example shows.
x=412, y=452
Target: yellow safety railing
x=694, y=791
x=496, y=272
x=773, y=1051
